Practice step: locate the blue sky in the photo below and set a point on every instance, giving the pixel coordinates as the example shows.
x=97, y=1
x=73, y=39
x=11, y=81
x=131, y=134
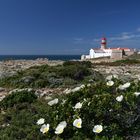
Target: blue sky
x=67, y=26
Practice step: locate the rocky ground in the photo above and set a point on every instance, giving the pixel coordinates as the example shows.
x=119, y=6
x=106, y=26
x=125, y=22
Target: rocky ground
x=8, y=68
x=123, y=72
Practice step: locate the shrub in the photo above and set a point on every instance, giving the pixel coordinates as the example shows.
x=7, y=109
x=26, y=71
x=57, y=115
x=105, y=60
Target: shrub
x=40, y=83
x=74, y=72
x=87, y=64
x=17, y=98
x=48, y=76
x=120, y=120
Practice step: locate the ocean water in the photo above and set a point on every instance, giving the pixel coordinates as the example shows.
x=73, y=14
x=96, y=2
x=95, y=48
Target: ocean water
x=33, y=57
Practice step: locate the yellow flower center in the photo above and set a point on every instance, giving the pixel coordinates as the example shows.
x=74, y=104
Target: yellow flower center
x=98, y=130
x=78, y=124
x=60, y=131
x=45, y=130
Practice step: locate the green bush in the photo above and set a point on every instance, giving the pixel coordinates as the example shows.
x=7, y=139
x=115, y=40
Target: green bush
x=49, y=76
x=120, y=120
x=17, y=98
x=40, y=83
x=87, y=64
x=74, y=72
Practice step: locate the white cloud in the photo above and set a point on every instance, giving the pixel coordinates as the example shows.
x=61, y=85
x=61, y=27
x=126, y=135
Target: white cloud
x=122, y=37
x=78, y=39
x=125, y=36
x=96, y=40
x=138, y=29
x=126, y=33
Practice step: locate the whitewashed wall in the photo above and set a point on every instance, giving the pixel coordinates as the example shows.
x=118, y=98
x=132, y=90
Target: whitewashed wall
x=91, y=53
x=96, y=55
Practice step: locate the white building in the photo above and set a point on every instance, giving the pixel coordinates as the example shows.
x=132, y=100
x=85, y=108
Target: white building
x=103, y=51
x=95, y=53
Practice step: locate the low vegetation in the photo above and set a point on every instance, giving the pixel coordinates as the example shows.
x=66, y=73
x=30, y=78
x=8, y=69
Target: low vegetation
x=107, y=110
x=135, y=56
x=120, y=62
x=70, y=73
x=98, y=109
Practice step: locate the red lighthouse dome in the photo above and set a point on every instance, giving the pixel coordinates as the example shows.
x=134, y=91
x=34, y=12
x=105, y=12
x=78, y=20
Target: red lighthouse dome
x=103, y=38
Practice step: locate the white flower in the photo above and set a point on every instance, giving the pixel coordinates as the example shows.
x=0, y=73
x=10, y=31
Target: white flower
x=41, y=121
x=98, y=128
x=110, y=83
x=78, y=105
x=77, y=123
x=137, y=94
x=44, y=128
x=60, y=128
x=53, y=102
x=109, y=77
x=119, y=98
x=63, y=123
x=126, y=85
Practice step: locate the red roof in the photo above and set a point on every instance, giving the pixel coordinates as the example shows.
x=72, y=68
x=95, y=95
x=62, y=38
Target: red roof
x=112, y=49
x=119, y=48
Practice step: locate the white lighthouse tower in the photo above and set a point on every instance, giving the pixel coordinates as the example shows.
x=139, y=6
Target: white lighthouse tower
x=103, y=43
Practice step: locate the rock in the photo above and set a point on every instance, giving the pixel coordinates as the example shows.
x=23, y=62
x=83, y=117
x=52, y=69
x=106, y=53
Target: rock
x=27, y=79
x=48, y=98
x=20, y=90
x=2, y=97
x=2, y=89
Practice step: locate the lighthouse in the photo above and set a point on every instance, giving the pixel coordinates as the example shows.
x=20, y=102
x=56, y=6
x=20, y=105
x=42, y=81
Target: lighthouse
x=103, y=43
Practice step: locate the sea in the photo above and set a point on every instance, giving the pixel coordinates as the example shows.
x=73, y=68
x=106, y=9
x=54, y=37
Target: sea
x=34, y=57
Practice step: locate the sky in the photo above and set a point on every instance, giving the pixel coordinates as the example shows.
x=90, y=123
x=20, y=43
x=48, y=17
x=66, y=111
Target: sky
x=42, y=27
